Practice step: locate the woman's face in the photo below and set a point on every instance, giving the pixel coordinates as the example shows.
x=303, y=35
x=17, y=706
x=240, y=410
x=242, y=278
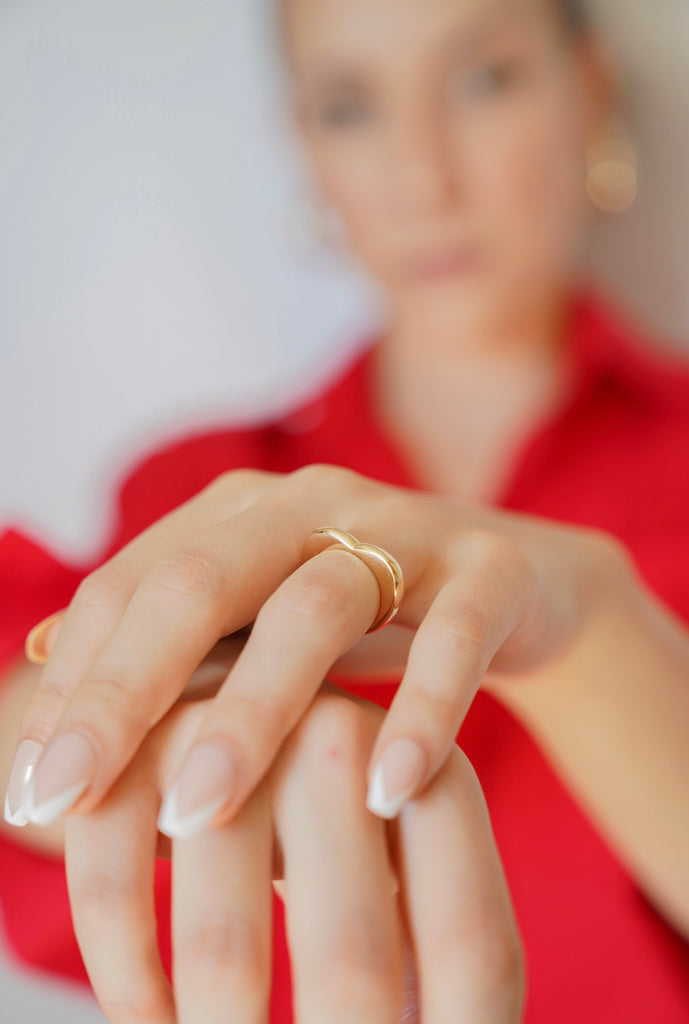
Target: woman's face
x=449, y=135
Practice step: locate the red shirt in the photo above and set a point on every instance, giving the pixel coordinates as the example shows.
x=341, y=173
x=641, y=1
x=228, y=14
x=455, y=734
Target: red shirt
x=615, y=457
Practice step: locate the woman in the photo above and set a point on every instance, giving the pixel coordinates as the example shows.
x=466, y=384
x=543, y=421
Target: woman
x=456, y=159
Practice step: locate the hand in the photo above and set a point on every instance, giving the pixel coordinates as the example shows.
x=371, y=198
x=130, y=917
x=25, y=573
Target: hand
x=349, y=931
x=485, y=590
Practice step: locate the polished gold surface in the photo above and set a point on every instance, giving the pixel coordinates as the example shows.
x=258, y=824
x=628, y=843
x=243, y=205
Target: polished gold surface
x=38, y=643
x=385, y=568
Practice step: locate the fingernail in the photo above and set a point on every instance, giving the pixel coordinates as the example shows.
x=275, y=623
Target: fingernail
x=63, y=773
x=206, y=782
x=25, y=760
x=398, y=774
x=39, y=643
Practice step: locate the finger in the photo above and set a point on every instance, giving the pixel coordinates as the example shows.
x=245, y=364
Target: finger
x=315, y=615
x=382, y=655
x=468, y=622
x=117, y=677
x=71, y=640
x=343, y=926
x=467, y=948
x=175, y=615
x=110, y=857
x=222, y=917
x=205, y=682
x=186, y=603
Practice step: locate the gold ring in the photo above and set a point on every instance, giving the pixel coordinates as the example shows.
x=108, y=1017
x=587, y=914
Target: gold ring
x=384, y=567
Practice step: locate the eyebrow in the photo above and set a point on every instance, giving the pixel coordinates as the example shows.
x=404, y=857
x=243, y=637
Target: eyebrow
x=462, y=41
x=495, y=21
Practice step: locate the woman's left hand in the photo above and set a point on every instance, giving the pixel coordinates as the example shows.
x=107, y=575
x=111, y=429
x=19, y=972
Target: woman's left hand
x=486, y=592
x=360, y=893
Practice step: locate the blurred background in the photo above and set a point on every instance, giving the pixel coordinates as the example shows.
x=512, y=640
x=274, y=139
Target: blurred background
x=159, y=267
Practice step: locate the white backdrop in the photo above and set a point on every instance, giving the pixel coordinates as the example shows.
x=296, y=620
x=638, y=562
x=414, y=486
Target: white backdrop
x=147, y=279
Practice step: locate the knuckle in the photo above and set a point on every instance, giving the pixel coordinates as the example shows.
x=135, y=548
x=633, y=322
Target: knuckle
x=488, y=952
x=361, y=987
x=392, y=505
x=100, y=893
x=435, y=707
x=50, y=698
x=315, y=474
x=489, y=549
x=235, y=481
x=136, y=1009
x=497, y=954
x=233, y=943
x=111, y=698
x=323, y=479
x=197, y=571
x=109, y=585
x=334, y=728
x=360, y=950
x=464, y=626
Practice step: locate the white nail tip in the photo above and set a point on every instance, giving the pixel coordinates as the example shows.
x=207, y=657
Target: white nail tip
x=49, y=811
x=170, y=823
x=19, y=818
x=23, y=768
x=378, y=802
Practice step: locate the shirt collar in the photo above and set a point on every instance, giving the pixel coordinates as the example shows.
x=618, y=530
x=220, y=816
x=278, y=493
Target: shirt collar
x=606, y=352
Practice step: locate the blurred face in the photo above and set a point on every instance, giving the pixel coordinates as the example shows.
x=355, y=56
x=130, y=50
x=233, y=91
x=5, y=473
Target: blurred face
x=449, y=135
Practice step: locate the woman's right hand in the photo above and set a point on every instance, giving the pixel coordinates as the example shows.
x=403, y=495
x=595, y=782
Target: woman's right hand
x=360, y=893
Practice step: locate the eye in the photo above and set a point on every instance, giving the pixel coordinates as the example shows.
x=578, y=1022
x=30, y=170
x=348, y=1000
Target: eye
x=347, y=112
x=484, y=80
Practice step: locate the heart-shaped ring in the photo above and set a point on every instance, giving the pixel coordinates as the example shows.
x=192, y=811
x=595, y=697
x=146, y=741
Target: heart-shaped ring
x=384, y=567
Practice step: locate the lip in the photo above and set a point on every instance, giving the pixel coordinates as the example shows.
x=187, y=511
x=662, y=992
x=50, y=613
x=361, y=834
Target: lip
x=444, y=263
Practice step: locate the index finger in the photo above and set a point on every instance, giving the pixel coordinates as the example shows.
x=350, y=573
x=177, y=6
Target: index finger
x=175, y=615
x=96, y=610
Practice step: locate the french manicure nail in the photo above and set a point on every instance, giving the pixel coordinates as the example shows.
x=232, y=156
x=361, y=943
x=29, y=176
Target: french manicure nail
x=63, y=773
x=397, y=776
x=206, y=782
x=40, y=641
x=25, y=760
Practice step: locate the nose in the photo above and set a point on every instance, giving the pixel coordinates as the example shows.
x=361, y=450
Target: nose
x=423, y=172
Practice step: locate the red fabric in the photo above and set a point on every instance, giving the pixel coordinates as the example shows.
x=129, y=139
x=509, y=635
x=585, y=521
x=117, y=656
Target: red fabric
x=615, y=457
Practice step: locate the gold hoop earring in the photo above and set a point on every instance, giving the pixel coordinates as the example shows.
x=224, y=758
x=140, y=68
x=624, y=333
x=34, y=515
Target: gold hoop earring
x=612, y=174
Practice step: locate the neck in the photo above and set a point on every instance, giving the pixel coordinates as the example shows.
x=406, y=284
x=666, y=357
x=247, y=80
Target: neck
x=461, y=405
x=529, y=335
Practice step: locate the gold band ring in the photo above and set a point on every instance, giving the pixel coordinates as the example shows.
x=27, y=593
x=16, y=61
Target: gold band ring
x=384, y=567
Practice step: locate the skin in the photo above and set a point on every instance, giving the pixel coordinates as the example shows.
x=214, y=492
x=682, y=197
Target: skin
x=353, y=884
x=469, y=215
x=465, y=141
